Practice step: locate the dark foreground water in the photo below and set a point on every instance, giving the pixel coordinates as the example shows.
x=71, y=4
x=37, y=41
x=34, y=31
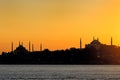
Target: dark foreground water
x=59, y=72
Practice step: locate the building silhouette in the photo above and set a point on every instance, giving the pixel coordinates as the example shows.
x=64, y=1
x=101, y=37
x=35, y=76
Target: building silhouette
x=19, y=43
x=80, y=43
x=111, y=41
x=94, y=53
x=12, y=46
x=40, y=47
x=29, y=46
x=95, y=44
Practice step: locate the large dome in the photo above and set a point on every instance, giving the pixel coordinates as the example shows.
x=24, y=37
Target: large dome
x=21, y=50
x=95, y=42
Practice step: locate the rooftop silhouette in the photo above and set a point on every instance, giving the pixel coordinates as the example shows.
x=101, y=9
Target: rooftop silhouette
x=94, y=53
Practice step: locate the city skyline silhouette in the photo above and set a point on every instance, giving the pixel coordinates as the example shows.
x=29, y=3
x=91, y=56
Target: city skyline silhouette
x=94, y=53
x=58, y=24
x=30, y=47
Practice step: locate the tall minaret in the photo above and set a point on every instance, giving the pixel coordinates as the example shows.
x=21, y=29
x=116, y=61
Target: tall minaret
x=80, y=43
x=97, y=39
x=32, y=47
x=93, y=38
x=29, y=46
x=111, y=41
x=12, y=46
x=19, y=43
x=40, y=47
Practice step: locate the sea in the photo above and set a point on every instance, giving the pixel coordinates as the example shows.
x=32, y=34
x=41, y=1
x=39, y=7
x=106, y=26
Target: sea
x=59, y=72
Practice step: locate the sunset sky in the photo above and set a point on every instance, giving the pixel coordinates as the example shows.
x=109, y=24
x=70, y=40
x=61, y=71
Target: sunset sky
x=58, y=24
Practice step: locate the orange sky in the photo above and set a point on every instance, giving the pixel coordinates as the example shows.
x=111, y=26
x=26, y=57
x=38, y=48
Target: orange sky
x=58, y=24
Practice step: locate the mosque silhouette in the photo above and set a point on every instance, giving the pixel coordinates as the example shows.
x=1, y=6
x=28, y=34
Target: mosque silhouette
x=93, y=53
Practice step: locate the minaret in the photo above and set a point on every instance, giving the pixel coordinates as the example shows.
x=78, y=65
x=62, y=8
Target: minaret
x=97, y=39
x=29, y=46
x=111, y=41
x=80, y=43
x=12, y=46
x=93, y=38
x=40, y=47
x=19, y=43
x=32, y=47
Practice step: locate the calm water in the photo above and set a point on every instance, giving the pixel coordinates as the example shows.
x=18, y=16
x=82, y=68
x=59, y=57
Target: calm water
x=59, y=72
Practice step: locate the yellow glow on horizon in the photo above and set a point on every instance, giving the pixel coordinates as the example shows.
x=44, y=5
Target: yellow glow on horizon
x=58, y=24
